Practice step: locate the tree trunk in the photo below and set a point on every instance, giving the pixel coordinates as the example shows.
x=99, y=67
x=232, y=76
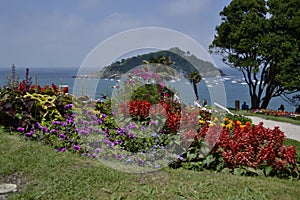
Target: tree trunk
x=268, y=96
x=266, y=102
x=254, y=101
x=196, y=90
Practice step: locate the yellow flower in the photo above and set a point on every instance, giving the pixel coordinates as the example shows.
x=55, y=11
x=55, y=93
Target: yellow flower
x=202, y=121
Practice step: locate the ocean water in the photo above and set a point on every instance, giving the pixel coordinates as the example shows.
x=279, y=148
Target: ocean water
x=224, y=91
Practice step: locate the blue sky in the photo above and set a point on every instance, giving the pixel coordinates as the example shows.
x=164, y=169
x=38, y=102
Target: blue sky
x=37, y=33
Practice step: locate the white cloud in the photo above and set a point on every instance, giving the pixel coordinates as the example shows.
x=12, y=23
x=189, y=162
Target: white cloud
x=185, y=7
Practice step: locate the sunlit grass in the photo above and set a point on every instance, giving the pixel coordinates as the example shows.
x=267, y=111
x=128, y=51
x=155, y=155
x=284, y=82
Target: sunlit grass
x=48, y=174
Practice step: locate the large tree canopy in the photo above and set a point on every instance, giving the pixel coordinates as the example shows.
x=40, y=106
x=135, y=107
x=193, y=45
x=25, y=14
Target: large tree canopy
x=261, y=39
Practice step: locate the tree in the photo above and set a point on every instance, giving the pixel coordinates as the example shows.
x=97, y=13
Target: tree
x=285, y=20
x=250, y=40
x=195, y=78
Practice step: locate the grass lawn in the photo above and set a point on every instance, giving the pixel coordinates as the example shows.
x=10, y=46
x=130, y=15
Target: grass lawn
x=47, y=174
x=275, y=118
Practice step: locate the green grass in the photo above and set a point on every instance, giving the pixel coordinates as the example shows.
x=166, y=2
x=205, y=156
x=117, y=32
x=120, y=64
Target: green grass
x=275, y=118
x=47, y=174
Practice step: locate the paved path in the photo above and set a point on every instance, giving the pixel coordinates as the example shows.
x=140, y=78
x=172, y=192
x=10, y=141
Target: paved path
x=290, y=130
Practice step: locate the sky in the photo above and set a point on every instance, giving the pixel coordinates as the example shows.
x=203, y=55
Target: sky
x=61, y=33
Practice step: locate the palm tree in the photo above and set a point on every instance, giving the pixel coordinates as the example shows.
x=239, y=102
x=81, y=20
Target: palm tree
x=195, y=78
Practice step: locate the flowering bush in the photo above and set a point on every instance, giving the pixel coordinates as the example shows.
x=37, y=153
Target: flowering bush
x=245, y=147
x=149, y=131
x=276, y=113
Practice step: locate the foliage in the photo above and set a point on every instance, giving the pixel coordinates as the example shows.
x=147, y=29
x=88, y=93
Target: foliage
x=20, y=109
x=265, y=49
x=15, y=110
x=183, y=62
x=148, y=131
x=275, y=113
x=239, y=118
x=244, y=149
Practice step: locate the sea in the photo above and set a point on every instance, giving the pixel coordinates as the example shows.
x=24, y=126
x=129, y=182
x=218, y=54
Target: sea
x=224, y=91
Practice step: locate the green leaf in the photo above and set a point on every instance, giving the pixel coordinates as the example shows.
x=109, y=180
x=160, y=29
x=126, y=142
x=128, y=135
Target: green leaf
x=208, y=160
x=268, y=170
x=226, y=170
x=239, y=171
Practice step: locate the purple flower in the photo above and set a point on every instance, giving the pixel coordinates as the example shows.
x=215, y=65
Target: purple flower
x=103, y=116
x=100, y=121
x=64, y=124
x=68, y=106
x=153, y=122
x=119, y=157
x=76, y=147
x=53, y=131
x=143, y=128
x=98, y=150
x=89, y=112
x=93, y=117
x=39, y=125
x=179, y=157
x=157, y=165
x=119, y=142
x=56, y=122
x=95, y=155
x=141, y=162
x=131, y=126
x=130, y=135
x=154, y=134
x=83, y=132
x=93, y=122
x=44, y=129
x=120, y=131
x=29, y=134
x=70, y=120
x=20, y=129
x=62, y=136
x=62, y=149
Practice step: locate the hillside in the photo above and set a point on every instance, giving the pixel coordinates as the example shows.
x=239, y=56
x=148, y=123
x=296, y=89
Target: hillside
x=185, y=63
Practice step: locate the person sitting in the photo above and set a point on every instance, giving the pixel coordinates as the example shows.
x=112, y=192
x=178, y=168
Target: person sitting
x=297, y=109
x=245, y=106
x=281, y=108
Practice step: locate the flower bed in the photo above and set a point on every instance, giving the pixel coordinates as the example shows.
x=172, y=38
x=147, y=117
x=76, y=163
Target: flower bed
x=275, y=113
x=147, y=132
